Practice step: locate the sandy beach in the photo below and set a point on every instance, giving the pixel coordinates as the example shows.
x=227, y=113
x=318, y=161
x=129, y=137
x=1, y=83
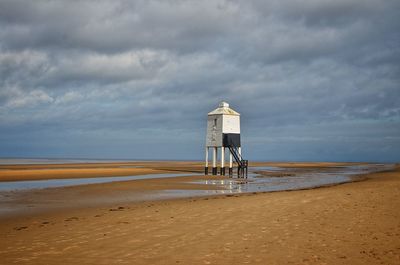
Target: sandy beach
x=352, y=223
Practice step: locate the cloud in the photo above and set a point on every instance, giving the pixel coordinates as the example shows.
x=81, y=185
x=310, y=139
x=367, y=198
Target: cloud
x=148, y=72
x=69, y=97
x=20, y=99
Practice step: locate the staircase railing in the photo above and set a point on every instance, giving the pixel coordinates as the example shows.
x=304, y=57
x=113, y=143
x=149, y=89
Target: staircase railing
x=242, y=164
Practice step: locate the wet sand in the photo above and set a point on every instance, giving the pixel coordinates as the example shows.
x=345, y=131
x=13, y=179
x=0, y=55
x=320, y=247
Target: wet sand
x=87, y=170
x=352, y=223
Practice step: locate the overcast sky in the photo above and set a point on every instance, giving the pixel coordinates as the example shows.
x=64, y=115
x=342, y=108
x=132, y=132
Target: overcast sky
x=313, y=80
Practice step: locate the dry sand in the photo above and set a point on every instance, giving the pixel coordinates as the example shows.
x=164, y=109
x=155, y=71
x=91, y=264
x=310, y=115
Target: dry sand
x=353, y=223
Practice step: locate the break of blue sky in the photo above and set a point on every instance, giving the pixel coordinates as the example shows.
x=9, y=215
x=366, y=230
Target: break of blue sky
x=313, y=80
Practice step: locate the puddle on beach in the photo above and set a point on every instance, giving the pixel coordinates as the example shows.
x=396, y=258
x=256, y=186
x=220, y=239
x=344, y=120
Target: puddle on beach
x=56, y=183
x=268, y=168
x=303, y=178
x=297, y=179
x=267, y=179
x=293, y=178
x=256, y=184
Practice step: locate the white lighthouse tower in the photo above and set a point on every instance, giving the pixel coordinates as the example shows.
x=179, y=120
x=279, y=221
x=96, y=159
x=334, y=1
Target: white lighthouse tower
x=223, y=133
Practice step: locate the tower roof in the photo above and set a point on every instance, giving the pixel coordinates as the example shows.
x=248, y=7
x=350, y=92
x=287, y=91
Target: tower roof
x=224, y=109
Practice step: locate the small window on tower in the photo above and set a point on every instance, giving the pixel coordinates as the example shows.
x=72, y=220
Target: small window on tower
x=215, y=122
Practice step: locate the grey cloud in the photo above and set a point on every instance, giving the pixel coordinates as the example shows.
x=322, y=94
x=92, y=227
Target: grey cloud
x=305, y=75
x=114, y=26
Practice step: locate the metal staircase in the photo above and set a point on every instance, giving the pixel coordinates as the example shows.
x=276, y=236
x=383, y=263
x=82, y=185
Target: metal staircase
x=242, y=164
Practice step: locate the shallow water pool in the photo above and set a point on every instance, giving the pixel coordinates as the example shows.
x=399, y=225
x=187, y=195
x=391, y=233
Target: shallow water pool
x=56, y=183
x=298, y=179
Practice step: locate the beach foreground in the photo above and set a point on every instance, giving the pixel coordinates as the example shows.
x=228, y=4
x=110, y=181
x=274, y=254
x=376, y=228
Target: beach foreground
x=352, y=223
